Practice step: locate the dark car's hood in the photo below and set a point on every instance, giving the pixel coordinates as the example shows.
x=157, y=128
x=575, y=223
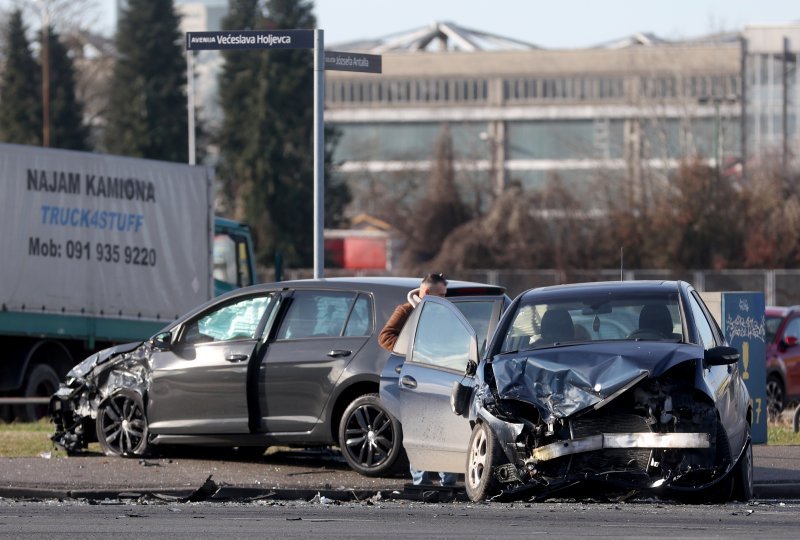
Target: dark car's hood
x=100, y=357
x=561, y=381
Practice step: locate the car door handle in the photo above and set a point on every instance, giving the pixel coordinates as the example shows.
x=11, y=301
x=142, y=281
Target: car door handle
x=236, y=357
x=409, y=382
x=338, y=353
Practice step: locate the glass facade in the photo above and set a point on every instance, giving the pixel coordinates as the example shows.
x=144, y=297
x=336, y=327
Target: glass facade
x=408, y=141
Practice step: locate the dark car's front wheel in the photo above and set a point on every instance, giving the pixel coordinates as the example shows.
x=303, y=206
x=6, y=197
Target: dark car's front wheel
x=121, y=425
x=370, y=438
x=483, y=455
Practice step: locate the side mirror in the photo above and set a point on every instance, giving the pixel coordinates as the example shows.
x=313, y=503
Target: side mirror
x=789, y=341
x=162, y=341
x=460, y=396
x=721, y=356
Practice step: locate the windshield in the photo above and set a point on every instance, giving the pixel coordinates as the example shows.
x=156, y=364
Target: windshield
x=580, y=318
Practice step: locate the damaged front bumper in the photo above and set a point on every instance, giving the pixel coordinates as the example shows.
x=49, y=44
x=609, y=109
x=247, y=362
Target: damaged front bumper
x=73, y=408
x=618, y=441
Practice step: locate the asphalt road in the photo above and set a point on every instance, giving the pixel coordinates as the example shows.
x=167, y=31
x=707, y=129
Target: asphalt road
x=379, y=519
x=286, y=475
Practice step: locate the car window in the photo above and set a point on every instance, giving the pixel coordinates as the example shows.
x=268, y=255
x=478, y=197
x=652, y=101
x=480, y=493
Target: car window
x=702, y=324
x=584, y=317
x=316, y=314
x=360, y=321
x=479, y=315
x=238, y=320
x=771, y=325
x=441, y=339
x=793, y=328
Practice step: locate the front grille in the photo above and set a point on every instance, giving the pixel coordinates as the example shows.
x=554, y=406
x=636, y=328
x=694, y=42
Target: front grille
x=615, y=459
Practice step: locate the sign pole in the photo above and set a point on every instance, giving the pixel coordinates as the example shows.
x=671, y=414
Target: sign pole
x=287, y=39
x=190, y=103
x=319, y=153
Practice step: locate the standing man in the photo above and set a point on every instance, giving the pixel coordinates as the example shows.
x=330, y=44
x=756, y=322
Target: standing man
x=435, y=285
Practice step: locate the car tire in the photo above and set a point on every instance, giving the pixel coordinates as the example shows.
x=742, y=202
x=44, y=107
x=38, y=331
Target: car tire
x=371, y=439
x=776, y=396
x=121, y=425
x=42, y=381
x=743, y=473
x=483, y=455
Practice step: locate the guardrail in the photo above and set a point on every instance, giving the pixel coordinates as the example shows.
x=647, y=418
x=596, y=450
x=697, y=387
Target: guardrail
x=24, y=400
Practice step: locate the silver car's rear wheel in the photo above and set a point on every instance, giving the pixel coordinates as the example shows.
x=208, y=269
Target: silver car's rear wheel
x=121, y=425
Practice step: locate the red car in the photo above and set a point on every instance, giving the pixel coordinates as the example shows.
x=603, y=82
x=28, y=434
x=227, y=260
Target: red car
x=782, y=327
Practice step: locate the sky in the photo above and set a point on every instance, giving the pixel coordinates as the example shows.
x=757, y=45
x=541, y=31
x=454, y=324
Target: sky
x=550, y=24
x=554, y=23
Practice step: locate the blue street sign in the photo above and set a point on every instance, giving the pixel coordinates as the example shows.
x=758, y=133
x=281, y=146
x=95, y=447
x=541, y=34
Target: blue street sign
x=250, y=39
x=743, y=326
x=345, y=61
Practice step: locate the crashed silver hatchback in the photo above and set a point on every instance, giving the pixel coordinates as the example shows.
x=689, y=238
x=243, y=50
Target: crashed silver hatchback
x=597, y=388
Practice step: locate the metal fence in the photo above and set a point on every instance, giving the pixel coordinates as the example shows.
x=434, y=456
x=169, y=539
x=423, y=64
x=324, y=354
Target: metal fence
x=780, y=287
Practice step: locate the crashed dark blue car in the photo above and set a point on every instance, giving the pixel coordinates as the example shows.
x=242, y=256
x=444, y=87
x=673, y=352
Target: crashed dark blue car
x=617, y=387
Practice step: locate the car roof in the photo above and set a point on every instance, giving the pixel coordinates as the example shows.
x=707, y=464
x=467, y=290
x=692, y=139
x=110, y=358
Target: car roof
x=454, y=287
x=779, y=311
x=600, y=287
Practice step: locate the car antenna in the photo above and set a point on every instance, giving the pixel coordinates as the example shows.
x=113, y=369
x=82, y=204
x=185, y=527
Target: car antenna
x=621, y=252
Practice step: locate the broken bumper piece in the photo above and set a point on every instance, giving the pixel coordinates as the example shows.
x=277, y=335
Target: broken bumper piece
x=620, y=440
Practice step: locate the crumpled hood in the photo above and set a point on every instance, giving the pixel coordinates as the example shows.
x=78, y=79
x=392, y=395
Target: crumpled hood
x=561, y=381
x=101, y=357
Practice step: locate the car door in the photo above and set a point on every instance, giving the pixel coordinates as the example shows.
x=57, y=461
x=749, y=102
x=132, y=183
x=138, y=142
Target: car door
x=316, y=336
x=199, y=385
x=722, y=380
x=434, y=438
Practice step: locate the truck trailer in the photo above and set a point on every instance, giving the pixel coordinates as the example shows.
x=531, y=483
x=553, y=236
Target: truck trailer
x=98, y=249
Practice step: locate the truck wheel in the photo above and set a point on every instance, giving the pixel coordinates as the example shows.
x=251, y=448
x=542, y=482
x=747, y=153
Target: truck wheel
x=121, y=425
x=483, y=455
x=370, y=438
x=42, y=381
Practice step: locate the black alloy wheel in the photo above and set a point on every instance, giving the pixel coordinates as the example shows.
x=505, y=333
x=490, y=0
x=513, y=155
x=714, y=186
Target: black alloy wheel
x=370, y=438
x=121, y=425
x=775, y=397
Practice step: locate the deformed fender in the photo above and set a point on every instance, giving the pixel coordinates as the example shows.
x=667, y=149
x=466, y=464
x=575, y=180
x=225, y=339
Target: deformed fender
x=506, y=433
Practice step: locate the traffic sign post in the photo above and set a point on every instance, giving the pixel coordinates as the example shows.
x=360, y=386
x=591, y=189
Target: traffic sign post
x=287, y=39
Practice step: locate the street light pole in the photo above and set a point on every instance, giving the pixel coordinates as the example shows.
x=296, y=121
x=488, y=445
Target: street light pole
x=45, y=73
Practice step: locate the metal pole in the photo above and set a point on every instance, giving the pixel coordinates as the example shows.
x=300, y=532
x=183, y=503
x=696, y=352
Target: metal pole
x=190, y=103
x=743, y=113
x=785, y=107
x=45, y=75
x=319, y=153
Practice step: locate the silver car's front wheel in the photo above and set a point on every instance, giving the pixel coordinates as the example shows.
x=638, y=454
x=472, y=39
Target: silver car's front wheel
x=482, y=458
x=121, y=425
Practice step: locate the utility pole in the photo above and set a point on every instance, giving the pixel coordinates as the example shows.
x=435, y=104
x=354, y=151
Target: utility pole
x=45, y=73
x=743, y=113
x=785, y=105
